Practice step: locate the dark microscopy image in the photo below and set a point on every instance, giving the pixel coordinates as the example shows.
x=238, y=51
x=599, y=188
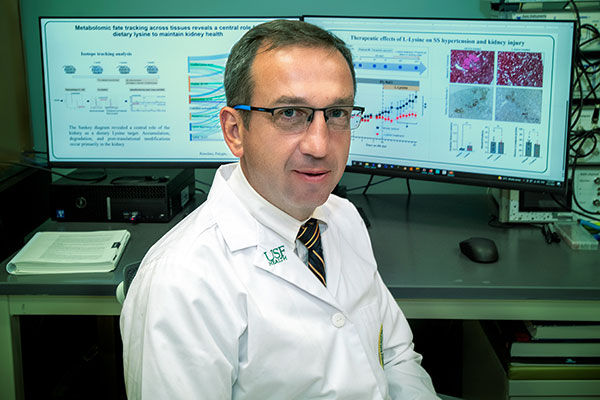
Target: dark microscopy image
x=518, y=105
x=471, y=102
x=520, y=69
x=469, y=66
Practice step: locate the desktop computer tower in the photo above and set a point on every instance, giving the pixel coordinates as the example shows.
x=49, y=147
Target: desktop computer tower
x=124, y=195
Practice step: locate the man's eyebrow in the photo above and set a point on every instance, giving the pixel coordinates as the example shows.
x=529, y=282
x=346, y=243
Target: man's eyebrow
x=289, y=100
x=301, y=101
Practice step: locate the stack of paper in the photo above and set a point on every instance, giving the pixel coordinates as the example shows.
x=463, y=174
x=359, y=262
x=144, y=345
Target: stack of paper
x=70, y=252
x=547, y=358
x=561, y=330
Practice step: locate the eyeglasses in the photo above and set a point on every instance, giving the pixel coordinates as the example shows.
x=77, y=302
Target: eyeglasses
x=294, y=119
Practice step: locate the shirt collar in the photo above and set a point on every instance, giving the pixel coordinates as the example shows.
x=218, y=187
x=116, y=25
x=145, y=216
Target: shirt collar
x=266, y=213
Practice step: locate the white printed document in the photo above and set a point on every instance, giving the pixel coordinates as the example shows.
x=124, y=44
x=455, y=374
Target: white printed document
x=70, y=252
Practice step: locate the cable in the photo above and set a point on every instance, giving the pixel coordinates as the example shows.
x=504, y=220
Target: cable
x=373, y=184
x=97, y=179
x=202, y=183
x=577, y=22
x=368, y=185
x=585, y=69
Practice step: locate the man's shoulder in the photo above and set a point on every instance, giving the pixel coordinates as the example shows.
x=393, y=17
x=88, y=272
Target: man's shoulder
x=342, y=211
x=197, y=229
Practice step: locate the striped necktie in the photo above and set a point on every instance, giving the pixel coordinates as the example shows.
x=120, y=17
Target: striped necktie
x=310, y=236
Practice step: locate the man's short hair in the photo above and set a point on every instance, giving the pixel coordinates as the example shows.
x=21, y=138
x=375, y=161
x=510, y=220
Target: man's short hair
x=239, y=85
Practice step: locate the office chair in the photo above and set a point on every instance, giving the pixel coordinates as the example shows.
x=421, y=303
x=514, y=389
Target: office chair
x=129, y=272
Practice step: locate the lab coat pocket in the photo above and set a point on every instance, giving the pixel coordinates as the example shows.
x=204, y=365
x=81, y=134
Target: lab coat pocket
x=369, y=326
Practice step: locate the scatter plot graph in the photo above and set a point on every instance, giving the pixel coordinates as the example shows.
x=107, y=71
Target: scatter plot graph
x=399, y=109
x=520, y=69
x=400, y=104
x=392, y=120
x=474, y=67
x=206, y=96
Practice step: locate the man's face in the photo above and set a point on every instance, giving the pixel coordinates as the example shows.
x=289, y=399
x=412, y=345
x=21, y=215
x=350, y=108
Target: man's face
x=296, y=172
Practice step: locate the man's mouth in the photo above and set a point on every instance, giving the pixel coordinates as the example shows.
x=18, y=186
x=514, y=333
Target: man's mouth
x=311, y=174
x=314, y=173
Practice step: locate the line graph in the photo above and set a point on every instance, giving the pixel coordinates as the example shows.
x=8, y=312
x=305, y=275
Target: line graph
x=400, y=103
x=394, y=124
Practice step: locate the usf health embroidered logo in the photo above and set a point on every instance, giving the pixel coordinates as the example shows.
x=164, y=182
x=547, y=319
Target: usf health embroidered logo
x=275, y=255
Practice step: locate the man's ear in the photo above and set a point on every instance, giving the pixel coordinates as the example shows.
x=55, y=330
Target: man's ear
x=233, y=128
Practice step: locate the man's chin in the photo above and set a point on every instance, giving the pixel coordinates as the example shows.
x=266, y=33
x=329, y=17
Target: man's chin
x=312, y=202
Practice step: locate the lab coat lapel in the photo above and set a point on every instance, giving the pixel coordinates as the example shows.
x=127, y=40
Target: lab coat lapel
x=236, y=223
x=292, y=269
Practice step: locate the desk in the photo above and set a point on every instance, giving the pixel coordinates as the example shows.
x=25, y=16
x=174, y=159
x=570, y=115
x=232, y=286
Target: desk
x=69, y=294
x=416, y=245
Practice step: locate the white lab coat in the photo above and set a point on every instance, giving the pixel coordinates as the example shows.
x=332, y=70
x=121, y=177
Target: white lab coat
x=209, y=317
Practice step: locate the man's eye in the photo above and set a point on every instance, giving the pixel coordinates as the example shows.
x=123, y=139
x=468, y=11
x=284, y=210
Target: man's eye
x=338, y=113
x=290, y=113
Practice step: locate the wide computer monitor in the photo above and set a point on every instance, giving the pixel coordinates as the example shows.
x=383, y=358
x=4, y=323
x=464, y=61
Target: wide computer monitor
x=481, y=102
x=136, y=91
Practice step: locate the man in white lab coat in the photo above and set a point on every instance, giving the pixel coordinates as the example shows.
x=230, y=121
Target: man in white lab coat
x=229, y=304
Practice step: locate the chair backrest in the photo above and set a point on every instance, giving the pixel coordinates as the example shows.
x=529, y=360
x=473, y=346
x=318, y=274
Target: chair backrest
x=129, y=272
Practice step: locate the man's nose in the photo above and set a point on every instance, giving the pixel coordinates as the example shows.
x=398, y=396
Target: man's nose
x=315, y=141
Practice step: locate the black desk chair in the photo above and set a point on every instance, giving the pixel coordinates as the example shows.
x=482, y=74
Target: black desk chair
x=129, y=272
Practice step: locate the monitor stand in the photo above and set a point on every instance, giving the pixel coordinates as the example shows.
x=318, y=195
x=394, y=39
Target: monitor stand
x=87, y=174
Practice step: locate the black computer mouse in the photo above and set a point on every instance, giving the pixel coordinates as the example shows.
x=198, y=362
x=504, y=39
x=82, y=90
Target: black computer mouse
x=478, y=249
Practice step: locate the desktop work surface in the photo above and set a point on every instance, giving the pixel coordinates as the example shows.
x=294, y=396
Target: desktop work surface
x=416, y=243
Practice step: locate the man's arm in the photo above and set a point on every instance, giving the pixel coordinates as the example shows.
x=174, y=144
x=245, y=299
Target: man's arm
x=402, y=365
x=179, y=339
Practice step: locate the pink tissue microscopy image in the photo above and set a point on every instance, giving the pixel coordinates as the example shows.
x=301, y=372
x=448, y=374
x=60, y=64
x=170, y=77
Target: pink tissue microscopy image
x=470, y=66
x=520, y=69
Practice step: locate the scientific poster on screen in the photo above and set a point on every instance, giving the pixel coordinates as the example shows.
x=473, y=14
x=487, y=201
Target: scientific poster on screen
x=137, y=89
x=468, y=95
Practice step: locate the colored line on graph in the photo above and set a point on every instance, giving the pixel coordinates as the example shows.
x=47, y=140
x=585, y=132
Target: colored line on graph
x=378, y=117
